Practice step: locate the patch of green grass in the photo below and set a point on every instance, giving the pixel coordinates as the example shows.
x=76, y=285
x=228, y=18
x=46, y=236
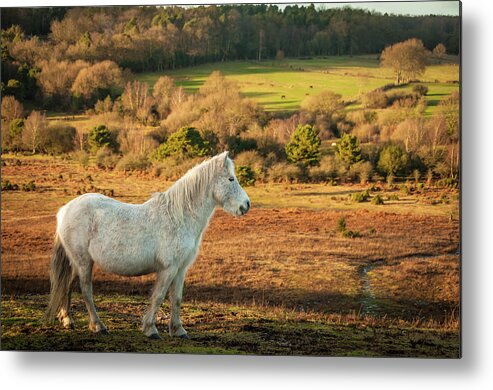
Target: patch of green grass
x=267, y=82
x=219, y=329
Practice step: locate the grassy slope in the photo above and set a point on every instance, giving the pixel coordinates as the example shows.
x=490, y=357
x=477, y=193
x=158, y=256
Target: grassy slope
x=293, y=78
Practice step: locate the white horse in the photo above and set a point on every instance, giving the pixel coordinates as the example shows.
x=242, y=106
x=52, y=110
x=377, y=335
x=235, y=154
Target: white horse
x=161, y=236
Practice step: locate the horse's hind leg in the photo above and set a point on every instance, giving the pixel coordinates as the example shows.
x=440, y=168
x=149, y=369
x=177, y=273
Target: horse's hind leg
x=64, y=314
x=85, y=279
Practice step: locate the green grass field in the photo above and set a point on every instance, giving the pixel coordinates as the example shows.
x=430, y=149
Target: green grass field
x=295, y=79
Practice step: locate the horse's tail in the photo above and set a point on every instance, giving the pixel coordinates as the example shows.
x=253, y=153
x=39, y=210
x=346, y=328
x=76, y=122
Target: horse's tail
x=61, y=279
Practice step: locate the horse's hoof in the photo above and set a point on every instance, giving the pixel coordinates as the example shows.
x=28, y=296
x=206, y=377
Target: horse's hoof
x=103, y=331
x=184, y=337
x=154, y=336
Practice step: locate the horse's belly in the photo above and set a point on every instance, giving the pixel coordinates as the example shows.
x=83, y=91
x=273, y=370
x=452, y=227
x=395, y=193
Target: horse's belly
x=126, y=263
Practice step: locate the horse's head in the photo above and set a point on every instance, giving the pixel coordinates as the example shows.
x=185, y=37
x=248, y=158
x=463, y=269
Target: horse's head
x=227, y=191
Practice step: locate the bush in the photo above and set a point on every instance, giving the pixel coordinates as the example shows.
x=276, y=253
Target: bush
x=185, y=143
x=392, y=159
x=363, y=170
x=172, y=168
x=283, y=172
x=341, y=228
x=325, y=172
x=236, y=144
x=245, y=175
x=8, y=186
x=133, y=162
x=30, y=186
x=58, y=139
x=106, y=159
x=81, y=157
x=378, y=200
x=375, y=99
x=420, y=89
x=101, y=137
x=253, y=160
x=360, y=197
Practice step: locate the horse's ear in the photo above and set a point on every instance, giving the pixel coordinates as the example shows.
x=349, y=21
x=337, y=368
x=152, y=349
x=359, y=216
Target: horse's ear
x=224, y=157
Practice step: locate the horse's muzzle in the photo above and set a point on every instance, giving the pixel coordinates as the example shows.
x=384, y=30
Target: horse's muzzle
x=244, y=208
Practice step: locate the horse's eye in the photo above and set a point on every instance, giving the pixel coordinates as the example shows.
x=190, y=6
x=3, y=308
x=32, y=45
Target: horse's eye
x=231, y=179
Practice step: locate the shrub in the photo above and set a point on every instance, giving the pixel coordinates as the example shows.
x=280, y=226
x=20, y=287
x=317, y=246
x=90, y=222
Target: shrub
x=392, y=159
x=172, y=168
x=363, y=170
x=341, y=228
x=360, y=197
x=420, y=89
x=253, y=160
x=185, y=143
x=341, y=224
x=245, y=175
x=58, y=139
x=30, y=186
x=404, y=189
x=236, y=144
x=304, y=146
x=283, y=172
x=326, y=171
x=101, y=137
x=378, y=200
x=8, y=186
x=133, y=162
x=393, y=197
x=375, y=99
x=81, y=157
x=106, y=159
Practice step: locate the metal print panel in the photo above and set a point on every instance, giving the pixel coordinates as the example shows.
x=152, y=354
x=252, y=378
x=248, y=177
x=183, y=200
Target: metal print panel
x=265, y=179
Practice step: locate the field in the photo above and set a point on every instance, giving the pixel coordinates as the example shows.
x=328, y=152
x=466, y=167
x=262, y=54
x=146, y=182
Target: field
x=282, y=280
x=295, y=79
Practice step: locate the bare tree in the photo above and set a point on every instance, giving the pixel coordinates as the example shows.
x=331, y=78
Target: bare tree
x=103, y=75
x=11, y=109
x=33, y=127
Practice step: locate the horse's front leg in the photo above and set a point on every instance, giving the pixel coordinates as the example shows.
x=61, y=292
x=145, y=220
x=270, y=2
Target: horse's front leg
x=163, y=281
x=175, y=297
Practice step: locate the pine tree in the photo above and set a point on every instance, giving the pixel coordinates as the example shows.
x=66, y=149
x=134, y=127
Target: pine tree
x=304, y=145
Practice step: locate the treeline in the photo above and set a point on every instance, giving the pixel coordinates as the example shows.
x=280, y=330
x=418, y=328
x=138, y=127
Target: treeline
x=168, y=130
x=158, y=38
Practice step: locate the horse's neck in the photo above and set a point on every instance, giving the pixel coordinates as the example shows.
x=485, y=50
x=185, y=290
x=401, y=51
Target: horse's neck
x=200, y=215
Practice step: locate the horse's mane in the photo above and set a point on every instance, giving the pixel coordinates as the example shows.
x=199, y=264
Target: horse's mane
x=191, y=188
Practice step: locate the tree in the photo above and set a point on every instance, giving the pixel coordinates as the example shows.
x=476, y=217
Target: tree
x=185, y=143
x=34, y=126
x=11, y=109
x=101, y=137
x=449, y=109
x=348, y=149
x=440, y=50
x=304, y=145
x=97, y=80
x=407, y=59
x=58, y=138
x=136, y=100
x=163, y=91
x=392, y=159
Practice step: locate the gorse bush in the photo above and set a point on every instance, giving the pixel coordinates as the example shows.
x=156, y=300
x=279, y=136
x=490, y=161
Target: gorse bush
x=245, y=175
x=185, y=143
x=101, y=137
x=362, y=196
